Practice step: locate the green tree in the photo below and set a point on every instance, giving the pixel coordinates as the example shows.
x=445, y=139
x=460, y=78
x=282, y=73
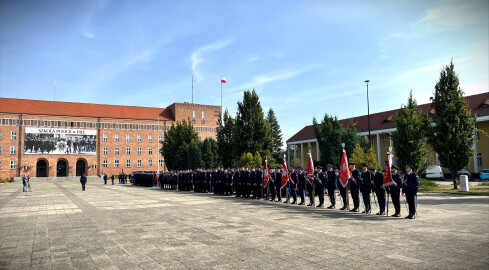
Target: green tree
x=209, y=152
x=296, y=163
x=351, y=138
x=175, y=145
x=276, y=136
x=360, y=156
x=225, y=137
x=451, y=132
x=329, y=134
x=194, y=154
x=246, y=159
x=257, y=160
x=410, y=137
x=252, y=132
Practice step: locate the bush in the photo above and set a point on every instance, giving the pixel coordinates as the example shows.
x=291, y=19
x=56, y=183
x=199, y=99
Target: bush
x=426, y=184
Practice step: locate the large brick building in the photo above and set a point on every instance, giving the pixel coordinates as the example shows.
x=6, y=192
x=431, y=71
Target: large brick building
x=55, y=139
x=382, y=125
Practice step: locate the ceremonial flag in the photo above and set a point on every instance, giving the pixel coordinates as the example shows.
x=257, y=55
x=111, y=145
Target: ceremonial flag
x=344, y=171
x=156, y=178
x=310, y=170
x=387, y=172
x=223, y=80
x=266, y=177
x=285, y=177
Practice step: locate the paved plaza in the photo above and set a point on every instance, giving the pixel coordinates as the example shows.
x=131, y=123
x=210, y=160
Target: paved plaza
x=58, y=226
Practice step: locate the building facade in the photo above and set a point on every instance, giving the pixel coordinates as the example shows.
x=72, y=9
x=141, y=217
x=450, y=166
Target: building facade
x=56, y=139
x=383, y=124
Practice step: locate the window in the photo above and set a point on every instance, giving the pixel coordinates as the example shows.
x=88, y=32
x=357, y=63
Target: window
x=114, y=125
x=105, y=137
x=128, y=163
x=46, y=123
x=52, y=123
x=13, y=164
x=139, y=163
x=105, y=150
x=13, y=135
x=150, y=150
x=150, y=163
x=116, y=137
x=1, y=135
x=383, y=141
x=13, y=150
x=78, y=124
x=105, y=163
x=203, y=117
x=116, y=163
x=150, y=138
x=140, y=150
x=479, y=159
x=193, y=117
x=59, y=123
x=160, y=162
x=139, y=138
x=128, y=137
x=90, y=124
x=160, y=138
x=0, y=149
x=116, y=151
x=128, y=150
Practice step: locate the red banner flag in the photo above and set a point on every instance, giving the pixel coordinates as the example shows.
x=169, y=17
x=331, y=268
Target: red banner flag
x=310, y=170
x=387, y=171
x=266, y=177
x=344, y=171
x=223, y=80
x=285, y=177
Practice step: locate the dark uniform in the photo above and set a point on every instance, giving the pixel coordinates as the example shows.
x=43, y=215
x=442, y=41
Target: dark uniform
x=410, y=188
x=365, y=189
x=258, y=184
x=293, y=186
x=278, y=185
x=331, y=186
x=342, y=193
x=377, y=179
x=354, y=186
x=321, y=181
x=394, y=190
x=310, y=189
x=301, y=185
x=237, y=183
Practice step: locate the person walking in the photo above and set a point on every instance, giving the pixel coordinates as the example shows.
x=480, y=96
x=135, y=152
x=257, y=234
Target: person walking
x=83, y=181
x=105, y=179
x=24, y=183
x=112, y=178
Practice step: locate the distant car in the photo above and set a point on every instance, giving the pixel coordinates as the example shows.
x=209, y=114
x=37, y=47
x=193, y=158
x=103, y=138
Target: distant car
x=434, y=172
x=464, y=173
x=484, y=175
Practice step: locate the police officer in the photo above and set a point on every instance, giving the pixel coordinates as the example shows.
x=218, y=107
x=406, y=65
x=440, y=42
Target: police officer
x=271, y=184
x=278, y=183
x=301, y=184
x=331, y=185
x=258, y=184
x=410, y=188
x=293, y=185
x=310, y=190
x=377, y=179
x=237, y=182
x=342, y=191
x=321, y=181
x=394, y=190
x=354, y=185
x=105, y=179
x=366, y=188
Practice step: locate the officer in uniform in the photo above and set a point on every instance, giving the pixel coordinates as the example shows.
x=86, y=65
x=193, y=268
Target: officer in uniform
x=410, y=188
x=331, y=185
x=245, y=182
x=252, y=183
x=394, y=190
x=293, y=185
x=278, y=184
x=366, y=188
x=377, y=179
x=258, y=184
x=301, y=184
x=310, y=189
x=271, y=183
x=354, y=185
x=342, y=191
x=237, y=182
x=321, y=181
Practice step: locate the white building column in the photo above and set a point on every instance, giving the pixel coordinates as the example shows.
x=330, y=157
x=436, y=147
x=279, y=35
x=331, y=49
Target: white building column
x=476, y=166
x=378, y=151
x=288, y=155
x=392, y=147
x=295, y=150
x=302, y=154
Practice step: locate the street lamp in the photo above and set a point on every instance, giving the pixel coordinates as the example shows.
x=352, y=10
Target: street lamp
x=368, y=112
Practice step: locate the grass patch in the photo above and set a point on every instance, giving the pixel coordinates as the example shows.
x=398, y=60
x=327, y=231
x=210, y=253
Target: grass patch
x=4, y=180
x=432, y=187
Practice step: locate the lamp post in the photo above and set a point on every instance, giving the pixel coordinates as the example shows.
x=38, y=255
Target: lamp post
x=368, y=112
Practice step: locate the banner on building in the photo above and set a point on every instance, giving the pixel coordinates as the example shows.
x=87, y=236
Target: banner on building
x=59, y=141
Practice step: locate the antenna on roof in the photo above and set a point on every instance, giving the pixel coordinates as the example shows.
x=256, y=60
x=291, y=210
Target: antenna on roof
x=54, y=89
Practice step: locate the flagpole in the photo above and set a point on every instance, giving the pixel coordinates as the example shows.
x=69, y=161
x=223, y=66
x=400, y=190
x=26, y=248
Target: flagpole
x=221, y=97
x=347, y=197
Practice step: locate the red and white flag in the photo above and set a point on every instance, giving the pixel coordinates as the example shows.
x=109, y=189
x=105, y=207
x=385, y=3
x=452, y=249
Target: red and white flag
x=387, y=172
x=266, y=177
x=344, y=171
x=285, y=177
x=223, y=80
x=310, y=170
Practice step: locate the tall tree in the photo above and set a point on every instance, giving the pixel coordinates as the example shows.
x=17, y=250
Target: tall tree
x=194, y=153
x=252, y=130
x=209, y=152
x=351, y=138
x=276, y=137
x=451, y=133
x=175, y=145
x=329, y=134
x=225, y=143
x=410, y=137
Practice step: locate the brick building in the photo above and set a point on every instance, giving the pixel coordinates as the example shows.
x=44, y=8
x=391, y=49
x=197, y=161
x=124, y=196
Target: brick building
x=382, y=125
x=55, y=139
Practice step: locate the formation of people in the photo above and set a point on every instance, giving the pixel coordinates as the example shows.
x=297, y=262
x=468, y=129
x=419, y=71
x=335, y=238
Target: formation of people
x=253, y=183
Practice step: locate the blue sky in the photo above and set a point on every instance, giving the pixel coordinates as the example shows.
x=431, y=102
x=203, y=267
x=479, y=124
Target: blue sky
x=304, y=58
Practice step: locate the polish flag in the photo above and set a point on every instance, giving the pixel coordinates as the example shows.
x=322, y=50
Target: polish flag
x=223, y=80
x=344, y=172
x=285, y=177
x=387, y=172
x=266, y=177
x=310, y=170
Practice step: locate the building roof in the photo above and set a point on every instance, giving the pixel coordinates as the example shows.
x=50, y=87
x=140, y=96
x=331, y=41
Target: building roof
x=60, y=108
x=478, y=104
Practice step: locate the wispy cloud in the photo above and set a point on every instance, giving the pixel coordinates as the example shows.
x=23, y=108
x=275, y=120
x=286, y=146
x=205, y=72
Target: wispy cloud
x=95, y=7
x=197, y=56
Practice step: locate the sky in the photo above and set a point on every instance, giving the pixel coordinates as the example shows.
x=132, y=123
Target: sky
x=304, y=58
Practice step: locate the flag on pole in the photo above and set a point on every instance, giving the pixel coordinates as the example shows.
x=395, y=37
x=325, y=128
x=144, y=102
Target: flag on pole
x=285, y=177
x=310, y=170
x=266, y=177
x=156, y=178
x=344, y=171
x=223, y=80
x=387, y=172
